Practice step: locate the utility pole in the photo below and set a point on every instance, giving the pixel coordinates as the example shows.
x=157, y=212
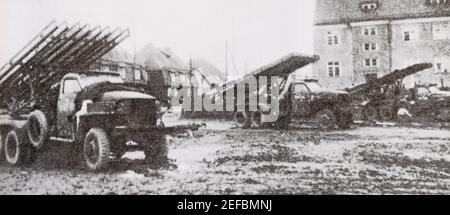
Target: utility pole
x=191, y=72
x=226, y=62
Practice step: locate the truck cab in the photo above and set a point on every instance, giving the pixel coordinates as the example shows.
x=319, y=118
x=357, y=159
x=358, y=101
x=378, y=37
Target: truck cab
x=310, y=101
x=71, y=86
x=310, y=96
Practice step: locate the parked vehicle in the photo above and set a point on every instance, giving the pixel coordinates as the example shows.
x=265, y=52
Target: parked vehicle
x=379, y=98
x=49, y=96
x=329, y=109
x=307, y=101
x=429, y=102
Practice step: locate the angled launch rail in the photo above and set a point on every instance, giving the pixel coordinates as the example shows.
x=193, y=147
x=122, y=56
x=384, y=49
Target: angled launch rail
x=282, y=68
x=54, y=52
x=388, y=79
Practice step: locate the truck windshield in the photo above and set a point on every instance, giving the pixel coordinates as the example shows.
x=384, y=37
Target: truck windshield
x=314, y=86
x=89, y=80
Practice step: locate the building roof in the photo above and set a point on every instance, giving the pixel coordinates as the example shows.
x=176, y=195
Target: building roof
x=155, y=58
x=345, y=11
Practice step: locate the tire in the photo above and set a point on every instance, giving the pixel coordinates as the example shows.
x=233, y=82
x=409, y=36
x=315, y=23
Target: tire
x=96, y=149
x=17, y=150
x=242, y=119
x=326, y=120
x=156, y=153
x=371, y=114
x=255, y=120
x=2, y=150
x=386, y=113
x=283, y=123
x=345, y=121
x=37, y=129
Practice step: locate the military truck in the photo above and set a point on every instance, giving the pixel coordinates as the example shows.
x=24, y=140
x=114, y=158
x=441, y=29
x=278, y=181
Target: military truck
x=49, y=94
x=329, y=109
x=306, y=101
x=379, y=98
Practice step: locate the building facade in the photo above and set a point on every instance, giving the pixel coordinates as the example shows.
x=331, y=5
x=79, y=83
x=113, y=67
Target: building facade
x=360, y=38
x=129, y=72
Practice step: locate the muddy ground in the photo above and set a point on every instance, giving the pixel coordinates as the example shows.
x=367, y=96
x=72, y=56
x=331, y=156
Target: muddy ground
x=219, y=159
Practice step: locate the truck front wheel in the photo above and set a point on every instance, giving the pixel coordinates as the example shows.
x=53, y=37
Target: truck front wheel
x=17, y=150
x=256, y=121
x=345, y=120
x=96, y=149
x=371, y=114
x=242, y=119
x=283, y=122
x=326, y=120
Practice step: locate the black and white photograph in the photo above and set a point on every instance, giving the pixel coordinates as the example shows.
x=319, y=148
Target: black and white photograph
x=225, y=97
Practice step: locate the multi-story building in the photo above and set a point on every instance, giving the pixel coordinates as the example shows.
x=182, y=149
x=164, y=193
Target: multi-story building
x=360, y=38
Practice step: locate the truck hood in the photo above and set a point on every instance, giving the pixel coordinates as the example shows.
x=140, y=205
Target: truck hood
x=120, y=95
x=442, y=94
x=111, y=91
x=331, y=92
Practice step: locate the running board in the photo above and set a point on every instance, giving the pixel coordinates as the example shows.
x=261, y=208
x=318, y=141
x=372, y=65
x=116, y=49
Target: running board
x=65, y=140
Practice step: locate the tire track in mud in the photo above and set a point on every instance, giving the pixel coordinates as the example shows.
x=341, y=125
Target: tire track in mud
x=234, y=161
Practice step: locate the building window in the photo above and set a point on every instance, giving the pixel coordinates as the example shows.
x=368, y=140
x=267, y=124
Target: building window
x=370, y=47
x=434, y=3
x=137, y=75
x=332, y=39
x=410, y=34
x=373, y=62
x=371, y=31
x=441, y=31
x=123, y=73
x=407, y=36
x=369, y=6
x=334, y=69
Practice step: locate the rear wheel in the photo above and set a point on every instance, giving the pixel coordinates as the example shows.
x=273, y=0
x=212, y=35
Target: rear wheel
x=386, y=113
x=345, y=121
x=156, y=152
x=326, y=120
x=37, y=129
x=96, y=149
x=256, y=121
x=242, y=119
x=371, y=113
x=283, y=122
x=18, y=152
x=2, y=144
